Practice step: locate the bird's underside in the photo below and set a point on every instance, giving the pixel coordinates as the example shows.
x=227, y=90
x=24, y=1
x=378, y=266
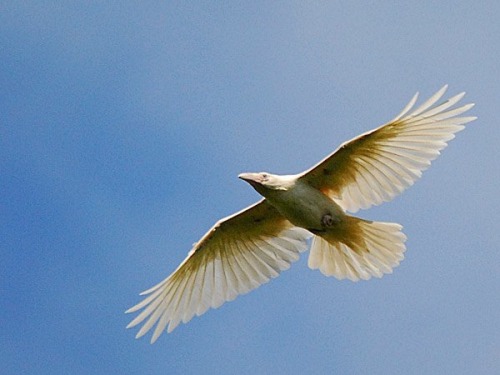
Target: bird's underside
x=245, y=250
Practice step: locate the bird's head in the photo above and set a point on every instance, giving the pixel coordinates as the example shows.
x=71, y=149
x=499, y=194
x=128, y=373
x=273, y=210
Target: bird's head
x=265, y=182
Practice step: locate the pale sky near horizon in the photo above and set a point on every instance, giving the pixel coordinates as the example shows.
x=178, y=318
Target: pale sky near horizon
x=124, y=125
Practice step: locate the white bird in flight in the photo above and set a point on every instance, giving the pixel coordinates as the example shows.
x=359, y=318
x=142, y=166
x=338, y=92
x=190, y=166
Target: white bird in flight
x=248, y=248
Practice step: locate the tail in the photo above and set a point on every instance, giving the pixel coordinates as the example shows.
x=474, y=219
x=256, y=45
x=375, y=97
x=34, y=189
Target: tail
x=358, y=249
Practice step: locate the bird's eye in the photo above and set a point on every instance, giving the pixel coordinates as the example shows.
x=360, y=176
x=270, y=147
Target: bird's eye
x=264, y=176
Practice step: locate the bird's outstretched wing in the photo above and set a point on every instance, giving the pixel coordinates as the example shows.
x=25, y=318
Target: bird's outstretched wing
x=237, y=255
x=378, y=165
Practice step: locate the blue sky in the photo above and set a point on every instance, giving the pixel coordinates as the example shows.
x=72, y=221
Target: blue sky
x=124, y=125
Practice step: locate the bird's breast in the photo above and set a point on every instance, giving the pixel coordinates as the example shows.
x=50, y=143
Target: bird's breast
x=305, y=206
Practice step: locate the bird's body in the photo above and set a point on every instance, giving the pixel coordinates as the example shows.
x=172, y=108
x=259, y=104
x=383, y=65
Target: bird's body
x=300, y=203
x=344, y=246
x=248, y=248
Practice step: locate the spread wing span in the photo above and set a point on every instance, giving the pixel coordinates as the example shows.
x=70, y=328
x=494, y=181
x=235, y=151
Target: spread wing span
x=378, y=165
x=238, y=254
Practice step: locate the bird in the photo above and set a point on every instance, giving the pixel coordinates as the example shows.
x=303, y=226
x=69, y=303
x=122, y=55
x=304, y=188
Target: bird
x=247, y=249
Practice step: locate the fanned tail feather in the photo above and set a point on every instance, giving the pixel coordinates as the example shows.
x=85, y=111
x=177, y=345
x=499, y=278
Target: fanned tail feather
x=360, y=249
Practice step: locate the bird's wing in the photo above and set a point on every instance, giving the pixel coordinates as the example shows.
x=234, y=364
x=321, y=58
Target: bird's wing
x=378, y=165
x=237, y=255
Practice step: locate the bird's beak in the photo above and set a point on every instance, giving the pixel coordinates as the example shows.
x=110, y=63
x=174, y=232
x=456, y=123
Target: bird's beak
x=251, y=178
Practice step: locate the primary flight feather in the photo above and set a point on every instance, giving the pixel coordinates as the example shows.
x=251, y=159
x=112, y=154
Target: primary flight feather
x=247, y=249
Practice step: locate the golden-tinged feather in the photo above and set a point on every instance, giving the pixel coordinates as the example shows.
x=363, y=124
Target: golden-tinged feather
x=378, y=165
x=235, y=256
